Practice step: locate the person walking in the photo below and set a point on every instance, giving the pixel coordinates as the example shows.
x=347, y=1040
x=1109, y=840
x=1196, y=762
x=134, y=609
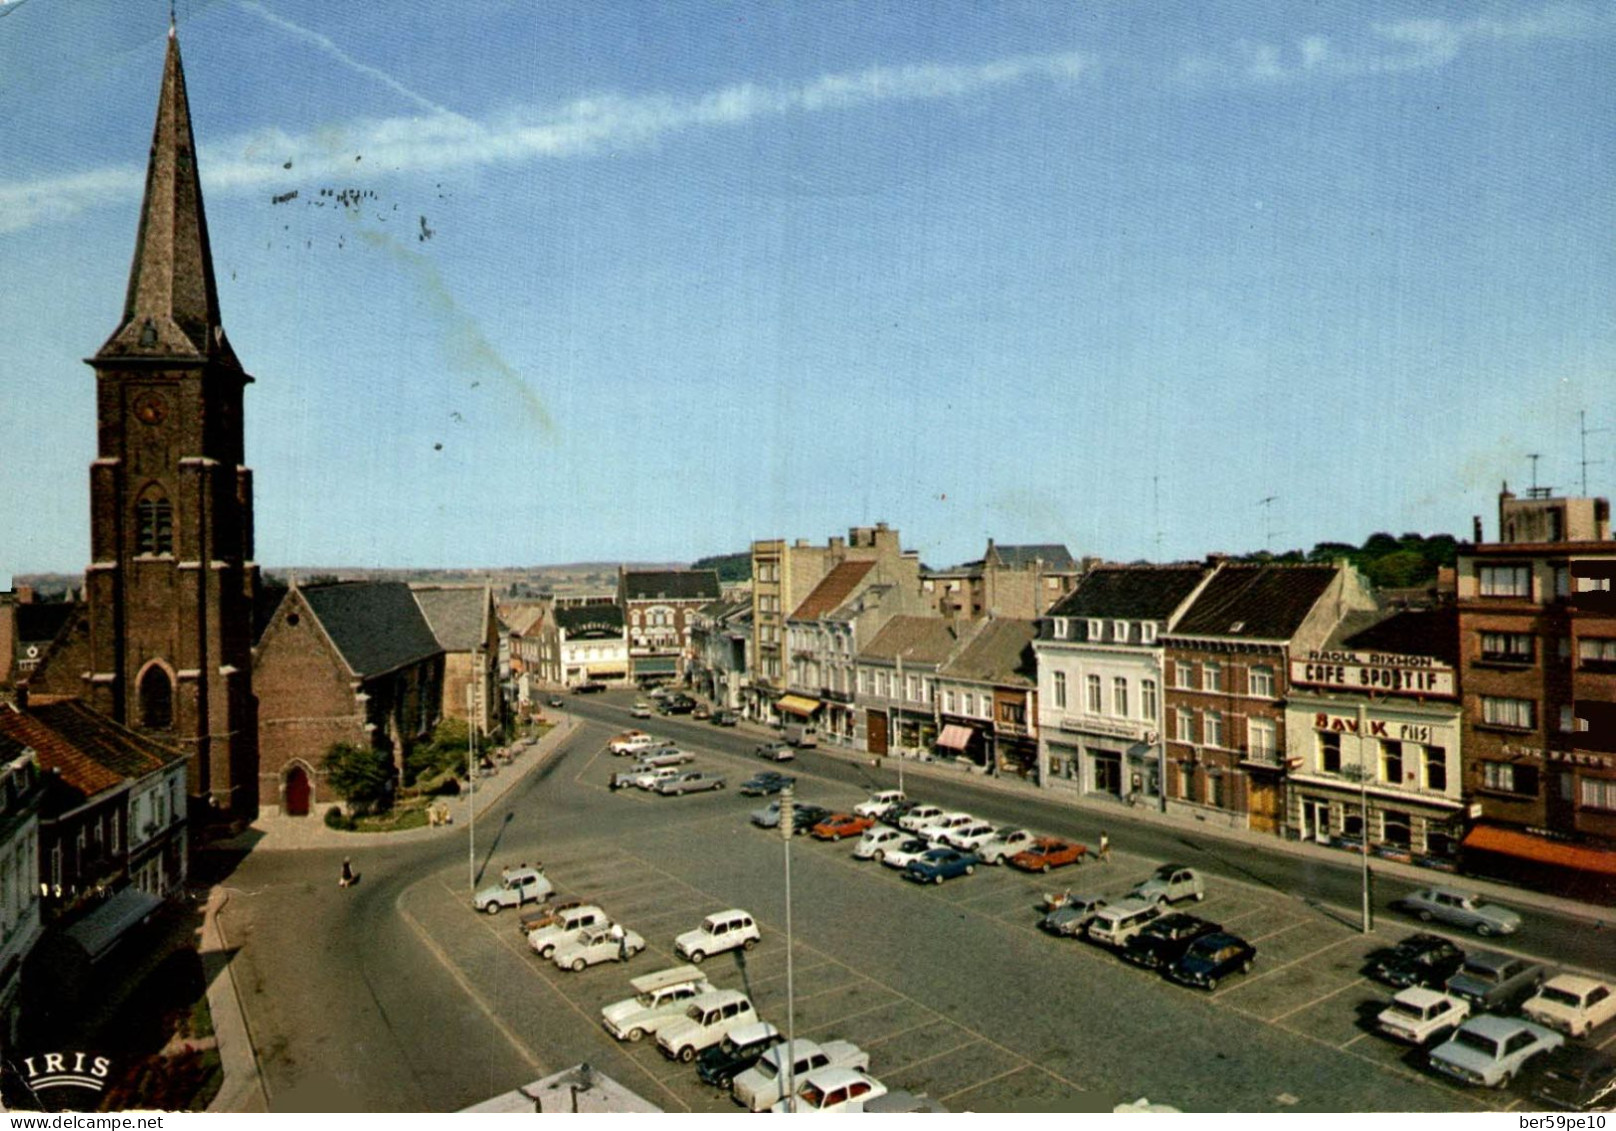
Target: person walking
x=347, y=874
x=622, y=941
x=1104, y=855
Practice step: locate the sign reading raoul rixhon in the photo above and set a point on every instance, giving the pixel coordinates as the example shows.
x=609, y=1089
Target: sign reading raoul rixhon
x=1383, y=672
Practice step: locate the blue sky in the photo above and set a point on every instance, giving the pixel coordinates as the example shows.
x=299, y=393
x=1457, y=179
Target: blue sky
x=636, y=281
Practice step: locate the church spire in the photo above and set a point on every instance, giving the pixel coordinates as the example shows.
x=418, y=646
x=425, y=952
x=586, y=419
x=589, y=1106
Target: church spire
x=172, y=305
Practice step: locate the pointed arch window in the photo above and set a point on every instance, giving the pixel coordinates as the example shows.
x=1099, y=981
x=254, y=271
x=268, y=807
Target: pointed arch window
x=156, y=699
x=154, y=523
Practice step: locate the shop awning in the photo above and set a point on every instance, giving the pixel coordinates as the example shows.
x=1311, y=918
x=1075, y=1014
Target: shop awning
x=955, y=737
x=99, y=931
x=607, y=669
x=797, y=704
x=1490, y=838
x=655, y=665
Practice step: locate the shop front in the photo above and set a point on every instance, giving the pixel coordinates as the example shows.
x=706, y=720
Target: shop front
x=1106, y=758
x=959, y=741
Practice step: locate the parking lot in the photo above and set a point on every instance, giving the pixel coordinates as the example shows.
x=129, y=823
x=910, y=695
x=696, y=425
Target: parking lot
x=952, y=989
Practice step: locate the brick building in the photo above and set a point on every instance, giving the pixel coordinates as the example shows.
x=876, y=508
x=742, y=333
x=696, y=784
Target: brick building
x=1008, y=581
x=659, y=608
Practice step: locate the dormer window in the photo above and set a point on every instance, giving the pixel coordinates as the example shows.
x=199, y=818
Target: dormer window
x=1120, y=630
x=1060, y=628
x=1147, y=632
x=1096, y=630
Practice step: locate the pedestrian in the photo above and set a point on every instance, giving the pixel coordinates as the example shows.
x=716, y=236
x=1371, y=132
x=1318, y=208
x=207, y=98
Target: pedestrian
x=1104, y=855
x=347, y=873
x=622, y=941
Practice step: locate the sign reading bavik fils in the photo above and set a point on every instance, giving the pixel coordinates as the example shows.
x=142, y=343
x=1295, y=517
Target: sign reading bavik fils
x=1374, y=671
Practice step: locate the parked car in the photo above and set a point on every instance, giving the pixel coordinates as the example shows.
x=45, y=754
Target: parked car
x=768, y=817
x=1171, y=883
x=691, y=781
x=941, y=864
x=665, y=755
x=838, y=826
x=702, y=712
x=1211, y=958
x=1418, y=1015
x=1115, y=924
x=648, y=778
x=641, y=709
x=759, y=1087
x=658, y=997
x=1571, y=1004
x=530, y=921
x=968, y=838
x=765, y=783
x=1048, y=852
x=737, y=1052
x=906, y=851
x=545, y=939
x=878, y=803
x=708, y=1019
x=1071, y=919
x=589, y=688
x=724, y=718
x=1419, y=960
x=876, y=840
x=935, y=831
x=801, y=735
x=832, y=1090
x=774, y=751
x=632, y=742
x=1490, y=1050
x=720, y=931
x=556, y=701
x=807, y=816
x=1463, y=909
x=1163, y=942
x=898, y=810
x=596, y=944
x=1573, y=1078
x=521, y=885
x=680, y=705
x=1496, y=982
x=1005, y=843
x=920, y=816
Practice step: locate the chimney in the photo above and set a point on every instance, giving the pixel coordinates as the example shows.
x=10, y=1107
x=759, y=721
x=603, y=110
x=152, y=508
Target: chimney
x=25, y=594
x=1476, y=521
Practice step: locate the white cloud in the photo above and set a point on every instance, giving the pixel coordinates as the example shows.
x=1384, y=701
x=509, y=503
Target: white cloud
x=445, y=141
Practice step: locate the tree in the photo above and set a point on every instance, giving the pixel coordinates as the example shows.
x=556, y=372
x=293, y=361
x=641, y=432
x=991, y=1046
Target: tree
x=362, y=777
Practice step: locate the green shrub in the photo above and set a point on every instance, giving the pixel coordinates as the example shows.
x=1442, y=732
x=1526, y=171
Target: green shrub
x=335, y=818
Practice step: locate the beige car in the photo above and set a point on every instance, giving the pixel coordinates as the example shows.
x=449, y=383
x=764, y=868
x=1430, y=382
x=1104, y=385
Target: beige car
x=1571, y=1004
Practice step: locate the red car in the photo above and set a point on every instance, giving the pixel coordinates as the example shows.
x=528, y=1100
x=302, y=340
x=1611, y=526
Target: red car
x=839, y=825
x=1048, y=852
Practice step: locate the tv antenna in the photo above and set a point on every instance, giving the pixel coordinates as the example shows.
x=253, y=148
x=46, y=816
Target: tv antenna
x=1584, y=432
x=1155, y=503
x=1267, y=504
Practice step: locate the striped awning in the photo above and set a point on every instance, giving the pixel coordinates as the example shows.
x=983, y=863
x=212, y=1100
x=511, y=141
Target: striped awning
x=955, y=737
x=797, y=704
x=1506, y=842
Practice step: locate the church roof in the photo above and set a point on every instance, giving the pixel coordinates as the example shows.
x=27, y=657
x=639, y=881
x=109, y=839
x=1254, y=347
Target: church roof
x=376, y=625
x=457, y=615
x=171, y=309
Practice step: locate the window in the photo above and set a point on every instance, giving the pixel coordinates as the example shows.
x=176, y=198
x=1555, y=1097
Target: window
x=1186, y=675
x=1060, y=628
x=1506, y=777
x=1596, y=652
x=156, y=699
x=1147, y=633
x=911, y=687
x=1060, y=690
x=948, y=702
x=1597, y=794
x=1214, y=789
x=1507, y=647
x=1119, y=697
x=1186, y=725
x=1436, y=768
x=1260, y=681
x=1562, y=581
x=1262, y=737
x=929, y=689
x=1505, y=580
x=1211, y=677
x=1147, y=699
x=1096, y=630
x=1212, y=728
x=1329, y=752
x=970, y=704
x=1516, y=713
x=154, y=524
x=1094, y=694
x=864, y=681
x=881, y=685
x=1119, y=631
x=1391, y=761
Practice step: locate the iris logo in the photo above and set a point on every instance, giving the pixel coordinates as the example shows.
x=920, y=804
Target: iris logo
x=66, y=1070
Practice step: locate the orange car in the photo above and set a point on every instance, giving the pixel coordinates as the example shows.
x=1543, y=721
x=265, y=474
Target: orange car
x=839, y=825
x=1048, y=852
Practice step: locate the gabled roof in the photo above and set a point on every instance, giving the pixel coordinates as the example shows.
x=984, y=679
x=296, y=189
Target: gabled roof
x=84, y=752
x=1054, y=556
x=1408, y=632
x=1130, y=592
x=671, y=585
x=457, y=614
x=522, y=619
x=39, y=622
x=837, y=586
x=377, y=626
x=1001, y=653
x=920, y=640
x=1256, y=601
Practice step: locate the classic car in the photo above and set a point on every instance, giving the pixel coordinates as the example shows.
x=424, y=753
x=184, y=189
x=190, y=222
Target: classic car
x=691, y=781
x=708, y=1019
x=1211, y=958
x=941, y=864
x=774, y=751
x=838, y=826
x=878, y=803
x=523, y=885
x=1573, y=1078
x=1171, y=883
x=720, y=931
x=759, y=1087
x=1005, y=843
x=1071, y=919
x=1419, y=960
x=658, y=997
x=907, y=850
x=597, y=944
x=765, y=783
x=544, y=939
x=1418, y=1015
x=1495, y=981
x=737, y=1052
x=1048, y=852
x=1463, y=909
x=1489, y=1050
x=832, y=1090
x=876, y=840
x=1161, y=943
x=1571, y=1004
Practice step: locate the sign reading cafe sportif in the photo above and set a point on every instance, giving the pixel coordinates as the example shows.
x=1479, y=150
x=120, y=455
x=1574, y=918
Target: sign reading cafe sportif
x=1384, y=672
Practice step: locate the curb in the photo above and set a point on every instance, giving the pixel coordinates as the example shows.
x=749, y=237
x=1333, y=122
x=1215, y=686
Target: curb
x=243, y=1089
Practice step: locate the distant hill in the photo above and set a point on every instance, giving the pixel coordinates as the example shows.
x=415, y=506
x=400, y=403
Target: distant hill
x=1386, y=562
x=730, y=567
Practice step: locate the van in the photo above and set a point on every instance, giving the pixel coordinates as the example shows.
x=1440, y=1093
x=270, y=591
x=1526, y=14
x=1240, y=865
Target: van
x=1115, y=925
x=801, y=734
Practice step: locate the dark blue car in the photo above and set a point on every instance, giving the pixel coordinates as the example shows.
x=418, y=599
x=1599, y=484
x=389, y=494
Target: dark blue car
x=941, y=864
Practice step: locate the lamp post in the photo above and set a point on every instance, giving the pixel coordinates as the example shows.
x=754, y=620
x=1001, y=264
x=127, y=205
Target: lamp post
x=471, y=789
x=1363, y=808
x=788, y=818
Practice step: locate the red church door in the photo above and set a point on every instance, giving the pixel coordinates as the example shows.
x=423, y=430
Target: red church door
x=297, y=793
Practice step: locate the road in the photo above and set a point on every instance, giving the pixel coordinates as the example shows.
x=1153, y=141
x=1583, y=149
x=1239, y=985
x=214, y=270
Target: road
x=395, y=996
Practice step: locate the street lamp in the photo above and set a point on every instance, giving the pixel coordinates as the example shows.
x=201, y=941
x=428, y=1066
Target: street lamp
x=788, y=820
x=471, y=787
x=1363, y=811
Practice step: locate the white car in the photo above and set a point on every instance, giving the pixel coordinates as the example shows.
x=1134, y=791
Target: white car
x=640, y=710
x=921, y=816
x=518, y=886
x=597, y=944
x=708, y=1019
x=1418, y=1015
x=759, y=1087
x=720, y=931
x=879, y=803
x=632, y=743
x=873, y=845
x=1571, y=1004
x=969, y=838
x=832, y=1090
x=1490, y=1050
x=658, y=998
x=652, y=777
x=911, y=848
x=1004, y=844
x=936, y=831
x=665, y=756
x=545, y=940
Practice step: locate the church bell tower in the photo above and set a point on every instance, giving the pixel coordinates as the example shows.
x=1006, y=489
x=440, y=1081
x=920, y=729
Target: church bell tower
x=171, y=580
